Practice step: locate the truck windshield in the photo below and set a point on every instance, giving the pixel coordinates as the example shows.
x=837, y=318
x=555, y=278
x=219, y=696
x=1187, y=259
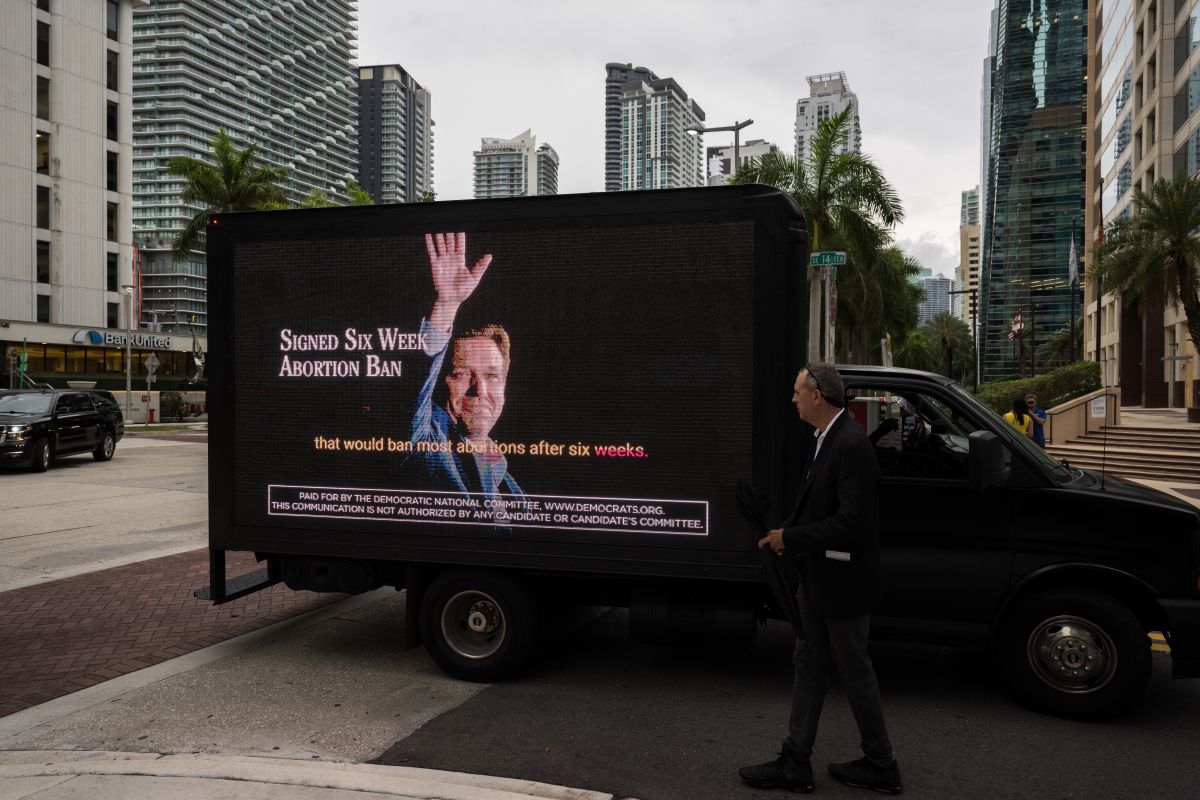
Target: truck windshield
x=1056, y=470
x=24, y=403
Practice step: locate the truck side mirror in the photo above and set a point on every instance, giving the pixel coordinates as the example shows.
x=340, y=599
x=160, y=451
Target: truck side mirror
x=985, y=463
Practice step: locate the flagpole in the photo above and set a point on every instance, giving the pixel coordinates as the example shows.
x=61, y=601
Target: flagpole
x=1071, y=288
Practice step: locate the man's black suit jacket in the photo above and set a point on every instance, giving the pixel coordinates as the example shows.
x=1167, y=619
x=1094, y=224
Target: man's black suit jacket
x=834, y=527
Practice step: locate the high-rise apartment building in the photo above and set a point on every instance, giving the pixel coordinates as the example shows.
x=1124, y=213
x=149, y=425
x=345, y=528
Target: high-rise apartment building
x=616, y=78
x=515, y=167
x=1035, y=181
x=279, y=76
x=827, y=95
x=66, y=129
x=395, y=135
x=937, y=297
x=650, y=138
x=969, y=210
x=547, y=169
x=1143, y=125
x=720, y=159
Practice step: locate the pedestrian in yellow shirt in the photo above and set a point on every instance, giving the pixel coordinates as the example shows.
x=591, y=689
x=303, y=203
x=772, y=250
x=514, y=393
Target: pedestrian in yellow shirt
x=1019, y=418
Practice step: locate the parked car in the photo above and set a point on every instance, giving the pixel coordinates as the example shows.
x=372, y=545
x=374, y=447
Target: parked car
x=38, y=426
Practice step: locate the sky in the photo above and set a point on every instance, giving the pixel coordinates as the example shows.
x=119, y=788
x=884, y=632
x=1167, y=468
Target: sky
x=495, y=69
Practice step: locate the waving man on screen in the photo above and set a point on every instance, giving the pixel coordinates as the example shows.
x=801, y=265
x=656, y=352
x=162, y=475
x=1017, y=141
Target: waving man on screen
x=465, y=459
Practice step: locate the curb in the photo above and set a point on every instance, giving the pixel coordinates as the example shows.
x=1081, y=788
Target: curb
x=408, y=782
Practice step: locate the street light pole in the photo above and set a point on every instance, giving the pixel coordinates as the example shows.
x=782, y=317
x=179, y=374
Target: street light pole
x=128, y=291
x=736, y=127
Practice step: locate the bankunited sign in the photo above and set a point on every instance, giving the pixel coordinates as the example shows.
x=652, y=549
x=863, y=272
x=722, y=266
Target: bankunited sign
x=113, y=339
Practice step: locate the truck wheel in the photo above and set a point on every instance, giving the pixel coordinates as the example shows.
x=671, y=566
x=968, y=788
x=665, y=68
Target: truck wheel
x=1075, y=653
x=478, y=625
x=107, y=446
x=41, y=456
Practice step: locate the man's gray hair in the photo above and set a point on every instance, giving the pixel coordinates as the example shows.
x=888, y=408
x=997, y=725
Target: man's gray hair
x=826, y=378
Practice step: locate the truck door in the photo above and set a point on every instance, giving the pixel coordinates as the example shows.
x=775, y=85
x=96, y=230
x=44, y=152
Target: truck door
x=945, y=552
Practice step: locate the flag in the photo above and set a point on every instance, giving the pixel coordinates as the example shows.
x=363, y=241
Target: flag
x=1017, y=325
x=1072, y=265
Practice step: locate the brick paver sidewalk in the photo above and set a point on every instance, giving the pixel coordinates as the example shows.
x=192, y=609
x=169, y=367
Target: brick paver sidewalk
x=59, y=637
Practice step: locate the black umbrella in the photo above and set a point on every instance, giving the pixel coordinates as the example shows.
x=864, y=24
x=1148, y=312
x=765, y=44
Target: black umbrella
x=754, y=506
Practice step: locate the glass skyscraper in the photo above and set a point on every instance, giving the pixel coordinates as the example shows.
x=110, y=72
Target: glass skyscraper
x=1035, y=170
x=277, y=75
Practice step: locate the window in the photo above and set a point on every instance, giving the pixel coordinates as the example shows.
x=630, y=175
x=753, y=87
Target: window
x=43, y=263
x=43, y=97
x=112, y=64
x=915, y=435
x=43, y=5
x=43, y=309
x=112, y=162
x=110, y=282
x=111, y=19
x=43, y=206
x=112, y=222
x=42, y=151
x=114, y=315
x=111, y=121
x=43, y=44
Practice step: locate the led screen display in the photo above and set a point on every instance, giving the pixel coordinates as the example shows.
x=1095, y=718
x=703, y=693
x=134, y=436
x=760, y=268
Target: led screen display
x=589, y=384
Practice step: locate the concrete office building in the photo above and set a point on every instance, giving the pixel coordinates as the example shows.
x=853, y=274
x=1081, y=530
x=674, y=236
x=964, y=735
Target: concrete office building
x=937, y=297
x=1035, y=180
x=1144, y=125
x=720, y=159
x=646, y=137
x=968, y=274
x=65, y=191
x=395, y=135
x=515, y=167
x=827, y=95
x=276, y=75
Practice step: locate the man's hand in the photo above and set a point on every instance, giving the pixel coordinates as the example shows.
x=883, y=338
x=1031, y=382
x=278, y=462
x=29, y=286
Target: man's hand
x=773, y=539
x=452, y=279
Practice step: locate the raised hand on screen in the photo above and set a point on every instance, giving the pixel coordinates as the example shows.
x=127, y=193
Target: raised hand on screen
x=452, y=279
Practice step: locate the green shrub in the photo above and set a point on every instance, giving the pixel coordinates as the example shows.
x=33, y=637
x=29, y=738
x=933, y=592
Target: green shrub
x=1051, y=388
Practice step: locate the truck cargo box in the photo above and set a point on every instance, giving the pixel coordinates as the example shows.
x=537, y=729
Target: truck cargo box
x=637, y=354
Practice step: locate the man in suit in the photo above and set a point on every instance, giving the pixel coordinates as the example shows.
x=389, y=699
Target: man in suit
x=833, y=532
x=463, y=456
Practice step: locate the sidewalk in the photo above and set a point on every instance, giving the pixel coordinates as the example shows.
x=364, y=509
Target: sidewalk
x=1175, y=418
x=100, y=775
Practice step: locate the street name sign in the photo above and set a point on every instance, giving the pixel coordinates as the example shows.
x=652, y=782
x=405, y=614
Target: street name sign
x=827, y=258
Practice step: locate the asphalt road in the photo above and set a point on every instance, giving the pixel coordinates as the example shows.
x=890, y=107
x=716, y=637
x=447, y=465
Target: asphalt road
x=150, y=500
x=602, y=713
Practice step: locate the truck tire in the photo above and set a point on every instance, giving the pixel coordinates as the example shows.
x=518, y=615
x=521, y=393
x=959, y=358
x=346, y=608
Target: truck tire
x=106, y=446
x=478, y=625
x=41, y=456
x=1075, y=653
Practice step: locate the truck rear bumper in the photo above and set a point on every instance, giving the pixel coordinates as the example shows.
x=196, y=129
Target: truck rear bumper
x=1183, y=635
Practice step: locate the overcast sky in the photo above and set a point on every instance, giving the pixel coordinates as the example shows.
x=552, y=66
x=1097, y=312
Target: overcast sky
x=495, y=69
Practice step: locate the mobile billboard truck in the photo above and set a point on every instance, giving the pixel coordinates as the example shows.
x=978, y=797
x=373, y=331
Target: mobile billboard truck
x=502, y=406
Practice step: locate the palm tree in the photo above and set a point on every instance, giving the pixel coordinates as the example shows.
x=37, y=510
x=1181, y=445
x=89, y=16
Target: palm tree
x=916, y=352
x=1156, y=247
x=951, y=336
x=847, y=204
x=319, y=198
x=234, y=181
x=1057, y=351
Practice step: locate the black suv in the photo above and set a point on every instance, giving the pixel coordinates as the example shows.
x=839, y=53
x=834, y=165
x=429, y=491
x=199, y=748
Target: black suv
x=38, y=426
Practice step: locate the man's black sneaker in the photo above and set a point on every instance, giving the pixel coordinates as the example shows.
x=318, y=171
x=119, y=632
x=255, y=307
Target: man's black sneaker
x=785, y=772
x=865, y=775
